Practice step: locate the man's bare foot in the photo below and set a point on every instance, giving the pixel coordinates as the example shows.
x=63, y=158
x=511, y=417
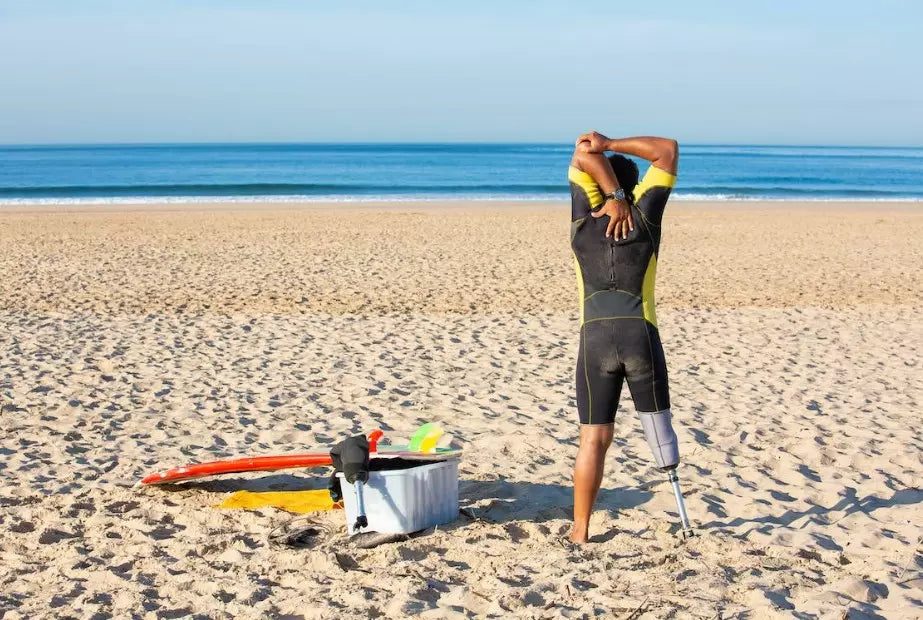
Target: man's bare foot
x=579, y=536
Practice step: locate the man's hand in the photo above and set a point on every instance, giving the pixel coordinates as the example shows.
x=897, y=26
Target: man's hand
x=593, y=142
x=620, y=220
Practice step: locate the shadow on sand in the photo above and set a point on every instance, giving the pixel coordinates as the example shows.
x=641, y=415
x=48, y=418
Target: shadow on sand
x=257, y=483
x=517, y=500
x=850, y=504
x=496, y=501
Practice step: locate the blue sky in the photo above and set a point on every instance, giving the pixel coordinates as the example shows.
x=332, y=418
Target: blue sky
x=817, y=72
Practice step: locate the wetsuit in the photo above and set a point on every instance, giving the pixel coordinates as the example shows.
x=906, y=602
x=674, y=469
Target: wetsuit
x=618, y=325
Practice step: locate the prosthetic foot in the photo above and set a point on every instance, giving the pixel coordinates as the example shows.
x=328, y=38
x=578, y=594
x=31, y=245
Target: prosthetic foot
x=658, y=430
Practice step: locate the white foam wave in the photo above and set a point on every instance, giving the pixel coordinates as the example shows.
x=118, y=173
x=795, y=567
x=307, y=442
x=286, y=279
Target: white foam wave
x=192, y=200
x=741, y=198
x=134, y=200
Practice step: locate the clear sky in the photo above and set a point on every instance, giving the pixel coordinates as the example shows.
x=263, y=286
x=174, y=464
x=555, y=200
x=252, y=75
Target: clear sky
x=793, y=72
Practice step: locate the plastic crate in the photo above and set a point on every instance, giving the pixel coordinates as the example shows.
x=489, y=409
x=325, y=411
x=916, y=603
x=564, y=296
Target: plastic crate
x=402, y=501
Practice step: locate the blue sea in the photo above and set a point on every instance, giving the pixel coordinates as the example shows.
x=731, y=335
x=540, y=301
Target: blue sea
x=362, y=172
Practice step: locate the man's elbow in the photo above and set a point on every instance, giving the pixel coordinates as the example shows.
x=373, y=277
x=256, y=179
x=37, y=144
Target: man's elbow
x=583, y=158
x=671, y=148
x=669, y=154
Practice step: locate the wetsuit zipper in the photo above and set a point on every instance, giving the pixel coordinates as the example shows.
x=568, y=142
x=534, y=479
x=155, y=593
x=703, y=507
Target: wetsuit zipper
x=612, y=264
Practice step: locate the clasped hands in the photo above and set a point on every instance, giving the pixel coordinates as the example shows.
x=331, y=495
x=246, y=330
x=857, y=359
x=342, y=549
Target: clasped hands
x=619, y=212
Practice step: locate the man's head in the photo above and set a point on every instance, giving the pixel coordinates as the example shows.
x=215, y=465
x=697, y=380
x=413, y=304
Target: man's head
x=626, y=171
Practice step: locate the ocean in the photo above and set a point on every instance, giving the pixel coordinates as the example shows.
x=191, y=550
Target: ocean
x=362, y=172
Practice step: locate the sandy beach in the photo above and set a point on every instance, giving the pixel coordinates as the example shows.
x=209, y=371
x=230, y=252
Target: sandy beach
x=133, y=338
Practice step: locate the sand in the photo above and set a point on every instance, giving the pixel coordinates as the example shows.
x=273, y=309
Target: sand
x=133, y=338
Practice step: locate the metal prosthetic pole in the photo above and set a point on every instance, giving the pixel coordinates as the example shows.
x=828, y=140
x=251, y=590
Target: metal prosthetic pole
x=680, y=504
x=361, y=520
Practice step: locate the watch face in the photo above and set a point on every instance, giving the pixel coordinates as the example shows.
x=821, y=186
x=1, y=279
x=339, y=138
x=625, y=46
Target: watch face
x=620, y=194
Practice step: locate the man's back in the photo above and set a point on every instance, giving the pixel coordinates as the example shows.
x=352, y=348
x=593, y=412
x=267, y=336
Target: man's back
x=617, y=277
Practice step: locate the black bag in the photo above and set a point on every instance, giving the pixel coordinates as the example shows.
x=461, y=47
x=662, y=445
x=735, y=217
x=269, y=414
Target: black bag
x=351, y=457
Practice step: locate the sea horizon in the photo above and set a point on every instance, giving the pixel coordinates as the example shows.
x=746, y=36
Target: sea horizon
x=4, y=145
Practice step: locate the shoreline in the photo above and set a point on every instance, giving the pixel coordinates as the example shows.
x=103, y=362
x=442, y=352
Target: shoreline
x=438, y=205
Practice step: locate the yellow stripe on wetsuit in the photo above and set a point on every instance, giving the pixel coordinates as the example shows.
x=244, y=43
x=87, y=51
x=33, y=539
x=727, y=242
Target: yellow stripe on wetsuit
x=654, y=177
x=585, y=182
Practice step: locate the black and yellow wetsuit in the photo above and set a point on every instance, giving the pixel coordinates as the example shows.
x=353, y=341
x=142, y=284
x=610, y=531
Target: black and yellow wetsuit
x=618, y=324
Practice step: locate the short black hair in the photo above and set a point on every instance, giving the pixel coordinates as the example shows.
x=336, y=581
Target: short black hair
x=626, y=171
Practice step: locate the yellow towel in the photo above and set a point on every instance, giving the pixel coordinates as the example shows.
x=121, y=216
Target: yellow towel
x=292, y=501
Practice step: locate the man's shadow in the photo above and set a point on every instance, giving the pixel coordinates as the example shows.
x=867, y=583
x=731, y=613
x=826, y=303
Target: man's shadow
x=504, y=500
x=496, y=501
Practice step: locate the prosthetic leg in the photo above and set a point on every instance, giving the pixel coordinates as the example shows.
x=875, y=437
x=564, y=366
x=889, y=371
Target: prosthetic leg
x=658, y=431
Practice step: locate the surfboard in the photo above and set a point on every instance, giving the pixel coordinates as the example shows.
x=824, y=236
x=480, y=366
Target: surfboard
x=285, y=461
x=299, y=461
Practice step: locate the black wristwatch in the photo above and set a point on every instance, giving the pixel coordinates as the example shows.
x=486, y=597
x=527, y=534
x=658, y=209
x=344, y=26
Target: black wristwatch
x=618, y=194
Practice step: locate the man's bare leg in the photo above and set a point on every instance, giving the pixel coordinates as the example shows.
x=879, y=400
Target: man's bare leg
x=588, y=475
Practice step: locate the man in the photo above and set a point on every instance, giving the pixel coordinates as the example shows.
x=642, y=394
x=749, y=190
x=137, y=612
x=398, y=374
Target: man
x=615, y=237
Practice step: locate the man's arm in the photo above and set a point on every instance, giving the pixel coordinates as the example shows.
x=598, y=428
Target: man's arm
x=598, y=167
x=663, y=153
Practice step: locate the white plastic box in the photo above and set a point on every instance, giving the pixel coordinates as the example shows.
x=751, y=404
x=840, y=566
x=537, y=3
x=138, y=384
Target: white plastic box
x=403, y=501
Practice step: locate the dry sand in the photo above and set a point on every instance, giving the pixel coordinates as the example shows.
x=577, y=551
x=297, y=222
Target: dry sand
x=134, y=338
